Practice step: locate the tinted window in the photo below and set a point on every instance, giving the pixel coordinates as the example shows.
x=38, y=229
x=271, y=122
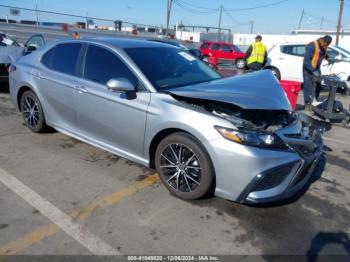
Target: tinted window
x=101, y=66
x=168, y=68
x=296, y=50
x=46, y=58
x=226, y=48
x=64, y=58
x=205, y=46
x=215, y=47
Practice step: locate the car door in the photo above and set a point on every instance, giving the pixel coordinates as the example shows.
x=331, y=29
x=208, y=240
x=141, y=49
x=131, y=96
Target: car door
x=290, y=61
x=108, y=118
x=227, y=51
x=56, y=79
x=335, y=64
x=215, y=50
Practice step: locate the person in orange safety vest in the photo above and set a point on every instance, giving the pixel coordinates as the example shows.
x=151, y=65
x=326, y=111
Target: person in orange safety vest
x=315, y=52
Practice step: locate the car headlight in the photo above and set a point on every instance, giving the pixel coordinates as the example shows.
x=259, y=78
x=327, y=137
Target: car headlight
x=251, y=138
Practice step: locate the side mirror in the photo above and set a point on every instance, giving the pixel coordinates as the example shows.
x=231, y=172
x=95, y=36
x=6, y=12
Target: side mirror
x=31, y=48
x=121, y=85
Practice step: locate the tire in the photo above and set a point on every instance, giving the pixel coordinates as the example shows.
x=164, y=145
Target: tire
x=205, y=59
x=192, y=181
x=275, y=72
x=240, y=63
x=32, y=112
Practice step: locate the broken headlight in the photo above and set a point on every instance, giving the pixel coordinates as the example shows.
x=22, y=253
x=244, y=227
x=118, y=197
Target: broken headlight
x=251, y=138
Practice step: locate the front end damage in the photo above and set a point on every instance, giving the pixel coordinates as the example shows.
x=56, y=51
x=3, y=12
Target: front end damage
x=273, y=152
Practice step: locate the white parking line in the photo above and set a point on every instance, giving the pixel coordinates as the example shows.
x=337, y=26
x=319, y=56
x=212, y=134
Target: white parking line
x=87, y=239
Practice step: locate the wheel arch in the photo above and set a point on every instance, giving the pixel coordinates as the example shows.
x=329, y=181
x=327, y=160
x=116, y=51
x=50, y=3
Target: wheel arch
x=20, y=93
x=158, y=138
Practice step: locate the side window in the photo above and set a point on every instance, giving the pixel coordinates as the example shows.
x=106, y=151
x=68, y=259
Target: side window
x=333, y=54
x=204, y=46
x=36, y=41
x=226, y=48
x=64, y=58
x=215, y=47
x=46, y=58
x=295, y=50
x=102, y=65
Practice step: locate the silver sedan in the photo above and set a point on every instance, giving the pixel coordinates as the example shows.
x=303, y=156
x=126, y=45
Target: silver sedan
x=161, y=107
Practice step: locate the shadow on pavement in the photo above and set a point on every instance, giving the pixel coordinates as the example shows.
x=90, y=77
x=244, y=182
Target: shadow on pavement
x=322, y=239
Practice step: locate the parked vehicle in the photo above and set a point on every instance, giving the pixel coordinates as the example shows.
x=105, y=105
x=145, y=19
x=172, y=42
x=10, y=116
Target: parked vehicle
x=188, y=47
x=9, y=51
x=158, y=106
x=286, y=61
x=223, y=52
x=33, y=43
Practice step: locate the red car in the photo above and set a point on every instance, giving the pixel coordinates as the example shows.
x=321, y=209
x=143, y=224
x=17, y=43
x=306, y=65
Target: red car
x=223, y=52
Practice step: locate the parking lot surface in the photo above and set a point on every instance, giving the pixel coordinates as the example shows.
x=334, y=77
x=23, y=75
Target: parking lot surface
x=59, y=196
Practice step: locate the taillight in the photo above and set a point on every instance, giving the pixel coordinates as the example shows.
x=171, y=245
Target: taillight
x=12, y=68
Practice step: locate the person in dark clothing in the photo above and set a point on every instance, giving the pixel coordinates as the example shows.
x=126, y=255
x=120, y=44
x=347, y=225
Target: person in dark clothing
x=315, y=52
x=256, y=55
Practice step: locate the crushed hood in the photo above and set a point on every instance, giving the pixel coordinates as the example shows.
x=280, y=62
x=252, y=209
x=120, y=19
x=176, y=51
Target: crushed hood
x=259, y=90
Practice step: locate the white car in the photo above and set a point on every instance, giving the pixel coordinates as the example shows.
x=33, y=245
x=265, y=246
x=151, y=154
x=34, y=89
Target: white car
x=286, y=62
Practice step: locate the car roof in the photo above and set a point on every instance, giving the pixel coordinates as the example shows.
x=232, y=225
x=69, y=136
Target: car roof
x=122, y=43
x=216, y=42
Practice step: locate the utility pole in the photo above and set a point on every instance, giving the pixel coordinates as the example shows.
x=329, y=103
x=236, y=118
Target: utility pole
x=301, y=19
x=251, y=27
x=219, y=27
x=339, y=21
x=322, y=20
x=36, y=13
x=168, y=13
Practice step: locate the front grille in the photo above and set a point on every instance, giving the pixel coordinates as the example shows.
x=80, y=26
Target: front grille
x=273, y=177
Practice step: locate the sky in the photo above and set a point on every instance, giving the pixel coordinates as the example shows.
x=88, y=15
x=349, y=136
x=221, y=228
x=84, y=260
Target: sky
x=281, y=18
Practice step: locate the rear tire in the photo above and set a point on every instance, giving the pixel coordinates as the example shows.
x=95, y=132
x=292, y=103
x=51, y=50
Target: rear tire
x=275, y=72
x=240, y=63
x=32, y=112
x=184, y=166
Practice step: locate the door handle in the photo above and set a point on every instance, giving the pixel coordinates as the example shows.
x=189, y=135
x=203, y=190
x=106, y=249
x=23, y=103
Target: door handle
x=81, y=89
x=281, y=58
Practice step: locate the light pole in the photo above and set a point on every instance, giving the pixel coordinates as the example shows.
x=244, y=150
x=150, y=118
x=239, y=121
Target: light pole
x=339, y=21
x=168, y=13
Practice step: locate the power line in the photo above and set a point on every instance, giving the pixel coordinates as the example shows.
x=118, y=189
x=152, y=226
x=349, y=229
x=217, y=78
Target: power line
x=200, y=7
x=188, y=8
x=257, y=7
x=235, y=20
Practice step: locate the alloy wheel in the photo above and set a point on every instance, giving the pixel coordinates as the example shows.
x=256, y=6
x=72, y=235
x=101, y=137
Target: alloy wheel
x=180, y=167
x=30, y=110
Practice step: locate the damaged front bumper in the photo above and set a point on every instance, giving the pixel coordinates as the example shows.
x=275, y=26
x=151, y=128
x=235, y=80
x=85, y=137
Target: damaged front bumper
x=269, y=175
x=286, y=180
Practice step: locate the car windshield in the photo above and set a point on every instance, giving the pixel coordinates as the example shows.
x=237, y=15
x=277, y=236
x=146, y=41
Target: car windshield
x=344, y=50
x=168, y=68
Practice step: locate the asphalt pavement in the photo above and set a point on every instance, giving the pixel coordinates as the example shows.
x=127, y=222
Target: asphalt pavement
x=61, y=196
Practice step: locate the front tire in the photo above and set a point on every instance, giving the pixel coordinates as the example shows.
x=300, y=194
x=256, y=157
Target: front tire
x=32, y=112
x=240, y=63
x=184, y=166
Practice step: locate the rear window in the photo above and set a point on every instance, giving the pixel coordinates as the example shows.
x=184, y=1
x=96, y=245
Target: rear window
x=296, y=50
x=64, y=58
